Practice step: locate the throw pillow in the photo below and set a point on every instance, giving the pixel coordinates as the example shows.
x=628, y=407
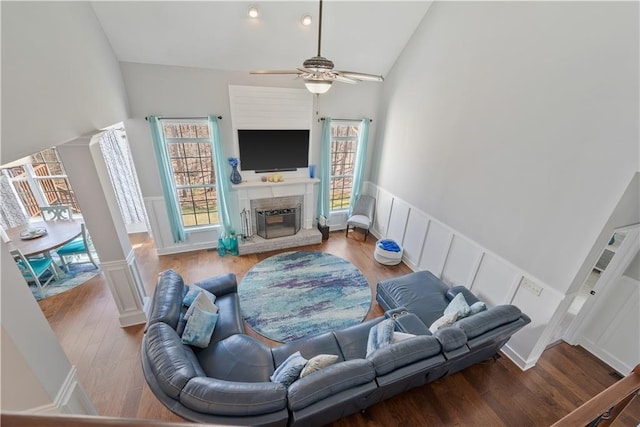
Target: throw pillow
x=193, y=292
x=289, y=370
x=199, y=328
x=458, y=305
x=401, y=336
x=202, y=302
x=318, y=362
x=380, y=335
x=444, y=321
x=477, y=307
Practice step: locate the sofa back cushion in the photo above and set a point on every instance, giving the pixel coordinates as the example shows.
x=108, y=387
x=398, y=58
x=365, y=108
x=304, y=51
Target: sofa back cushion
x=487, y=320
x=309, y=347
x=167, y=299
x=168, y=358
x=353, y=340
x=237, y=358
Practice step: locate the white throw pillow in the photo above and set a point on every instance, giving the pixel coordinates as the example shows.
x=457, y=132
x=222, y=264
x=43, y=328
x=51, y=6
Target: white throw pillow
x=202, y=302
x=444, y=321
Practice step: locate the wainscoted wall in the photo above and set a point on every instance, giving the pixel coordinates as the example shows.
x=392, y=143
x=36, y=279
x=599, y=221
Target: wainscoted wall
x=431, y=245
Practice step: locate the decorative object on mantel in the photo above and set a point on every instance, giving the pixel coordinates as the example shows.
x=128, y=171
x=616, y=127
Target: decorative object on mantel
x=276, y=177
x=235, y=177
x=245, y=219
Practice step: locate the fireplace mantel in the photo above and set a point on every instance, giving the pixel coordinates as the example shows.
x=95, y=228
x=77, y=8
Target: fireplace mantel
x=253, y=190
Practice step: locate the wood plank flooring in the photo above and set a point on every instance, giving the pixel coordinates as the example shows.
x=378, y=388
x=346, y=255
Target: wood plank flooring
x=494, y=393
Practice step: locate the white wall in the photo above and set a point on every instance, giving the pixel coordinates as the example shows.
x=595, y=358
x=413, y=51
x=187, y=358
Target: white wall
x=185, y=92
x=512, y=126
x=60, y=78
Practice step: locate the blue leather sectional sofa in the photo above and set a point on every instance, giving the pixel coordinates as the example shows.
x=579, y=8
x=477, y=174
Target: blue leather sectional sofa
x=229, y=381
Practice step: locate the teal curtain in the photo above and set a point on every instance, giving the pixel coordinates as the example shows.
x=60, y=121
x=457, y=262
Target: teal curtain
x=222, y=182
x=325, y=170
x=166, y=179
x=361, y=158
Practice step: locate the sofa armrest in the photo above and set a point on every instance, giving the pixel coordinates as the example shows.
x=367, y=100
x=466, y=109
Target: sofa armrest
x=220, y=285
x=487, y=320
x=405, y=352
x=395, y=313
x=411, y=324
x=220, y=397
x=329, y=381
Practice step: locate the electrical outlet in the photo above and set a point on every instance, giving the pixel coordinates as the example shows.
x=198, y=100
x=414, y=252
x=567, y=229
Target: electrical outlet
x=531, y=286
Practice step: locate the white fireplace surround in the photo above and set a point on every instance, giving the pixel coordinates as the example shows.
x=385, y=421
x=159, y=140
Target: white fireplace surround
x=257, y=191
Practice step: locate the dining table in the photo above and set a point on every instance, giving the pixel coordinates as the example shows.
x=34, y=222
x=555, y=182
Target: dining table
x=48, y=236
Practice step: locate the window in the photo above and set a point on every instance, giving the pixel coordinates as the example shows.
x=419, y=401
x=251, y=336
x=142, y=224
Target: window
x=43, y=182
x=344, y=146
x=190, y=152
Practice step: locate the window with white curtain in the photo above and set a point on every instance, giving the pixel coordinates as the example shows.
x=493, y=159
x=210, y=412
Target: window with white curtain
x=344, y=146
x=191, y=155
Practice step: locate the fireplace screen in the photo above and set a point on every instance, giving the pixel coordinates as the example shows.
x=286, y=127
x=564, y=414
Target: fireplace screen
x=271, y=223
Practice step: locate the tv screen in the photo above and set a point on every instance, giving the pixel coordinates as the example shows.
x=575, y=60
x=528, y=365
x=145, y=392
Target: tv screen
x=271, y=150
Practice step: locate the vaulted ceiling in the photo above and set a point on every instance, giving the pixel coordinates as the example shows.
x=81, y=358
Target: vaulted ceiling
x=364, y=36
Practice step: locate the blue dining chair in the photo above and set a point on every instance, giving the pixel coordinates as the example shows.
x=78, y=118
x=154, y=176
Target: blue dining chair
x=79, y=246
x=33, y=269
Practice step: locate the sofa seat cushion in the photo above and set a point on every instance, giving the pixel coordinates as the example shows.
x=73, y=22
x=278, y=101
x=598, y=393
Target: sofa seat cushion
x=237, y=358
x=167, y=299
x=420, y=292
x=168, y=359
x=487, y=320
x=405, y=352
x=329, y=381
x=230, y=398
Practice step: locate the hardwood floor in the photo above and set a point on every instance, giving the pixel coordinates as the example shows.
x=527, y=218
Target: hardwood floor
x=494, y=393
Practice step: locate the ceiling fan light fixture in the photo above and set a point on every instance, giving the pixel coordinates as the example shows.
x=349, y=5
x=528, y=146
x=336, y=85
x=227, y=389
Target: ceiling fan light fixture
x=306, y=20
x=253, y=12
x=318, y=86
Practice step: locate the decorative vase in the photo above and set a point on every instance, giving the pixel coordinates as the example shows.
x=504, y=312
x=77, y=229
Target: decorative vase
x=235, y=177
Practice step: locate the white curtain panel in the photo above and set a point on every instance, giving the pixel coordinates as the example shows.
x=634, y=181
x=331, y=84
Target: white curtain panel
x=12, y=212
x=123, y=177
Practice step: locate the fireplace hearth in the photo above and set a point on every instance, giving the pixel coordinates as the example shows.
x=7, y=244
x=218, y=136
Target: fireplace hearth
x=272, y=223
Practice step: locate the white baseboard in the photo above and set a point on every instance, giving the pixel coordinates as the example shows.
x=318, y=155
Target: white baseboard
x=71, y=399
x=518, y=360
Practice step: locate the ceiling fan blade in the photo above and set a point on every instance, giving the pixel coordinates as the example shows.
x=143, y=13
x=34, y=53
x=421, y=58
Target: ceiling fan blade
x=362, y=76
x=344, y=79
x=275, y=72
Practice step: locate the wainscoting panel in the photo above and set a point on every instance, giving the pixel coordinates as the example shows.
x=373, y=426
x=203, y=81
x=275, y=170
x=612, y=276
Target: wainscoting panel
x=436, y=248
x=432, y=245
x=416, y=232
x=494, y=281
x=398, y=220
x=384, y=201
x=462, y=262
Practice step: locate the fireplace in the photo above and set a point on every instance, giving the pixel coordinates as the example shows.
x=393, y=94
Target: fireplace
x=272, y=223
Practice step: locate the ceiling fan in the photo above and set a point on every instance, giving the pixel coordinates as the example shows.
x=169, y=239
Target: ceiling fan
x=318, y=72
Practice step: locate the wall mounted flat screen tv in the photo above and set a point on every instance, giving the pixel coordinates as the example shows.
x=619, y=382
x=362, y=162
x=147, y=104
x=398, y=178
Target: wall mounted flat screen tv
x=273, y=150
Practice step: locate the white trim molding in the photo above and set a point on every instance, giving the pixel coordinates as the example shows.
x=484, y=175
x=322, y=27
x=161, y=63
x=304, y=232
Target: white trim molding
x=127, y=289
x=458, y=260
x=70, y=399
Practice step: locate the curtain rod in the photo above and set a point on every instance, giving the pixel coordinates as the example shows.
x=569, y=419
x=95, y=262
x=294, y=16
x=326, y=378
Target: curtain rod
x=345, y=120
x=185, y=118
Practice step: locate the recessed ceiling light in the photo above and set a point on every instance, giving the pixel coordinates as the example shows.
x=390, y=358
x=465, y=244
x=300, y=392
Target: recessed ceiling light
x=306, y=20
x=253, y=12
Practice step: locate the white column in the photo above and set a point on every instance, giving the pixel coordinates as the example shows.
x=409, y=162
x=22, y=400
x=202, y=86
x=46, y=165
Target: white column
x=37, y=376
x=88, y=175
